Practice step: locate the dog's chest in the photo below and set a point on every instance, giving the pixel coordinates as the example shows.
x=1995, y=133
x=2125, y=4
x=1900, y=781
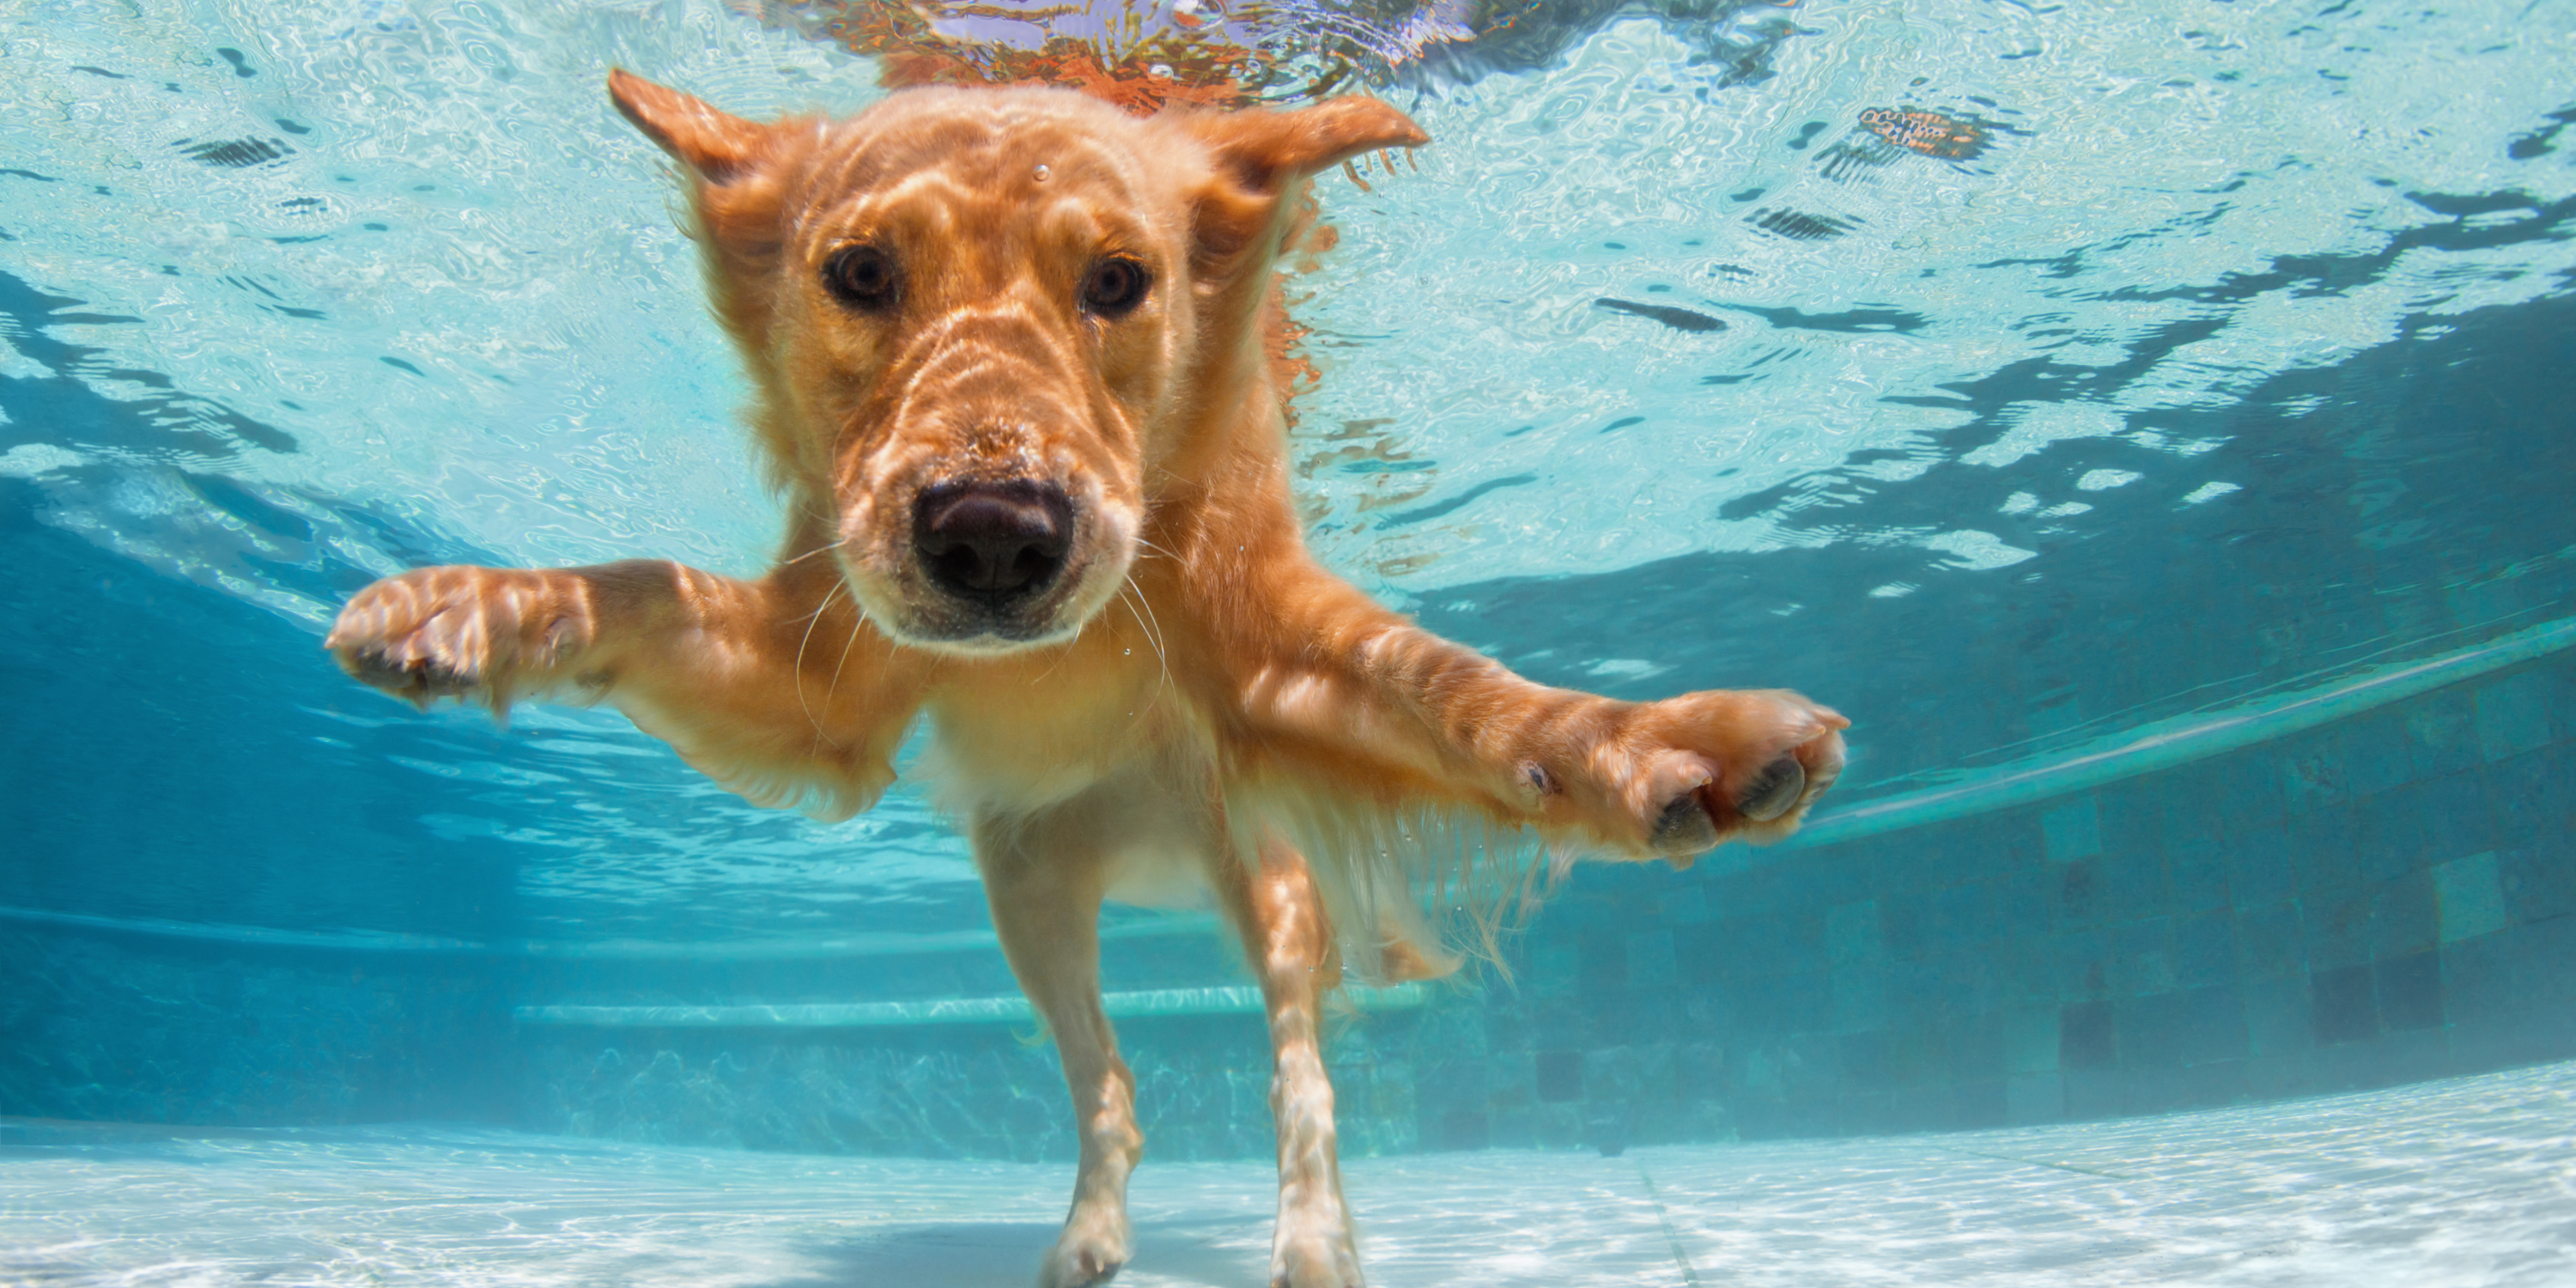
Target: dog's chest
x=1014, y=738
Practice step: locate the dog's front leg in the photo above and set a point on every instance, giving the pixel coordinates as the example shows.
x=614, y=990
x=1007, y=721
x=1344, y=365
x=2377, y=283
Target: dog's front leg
x=1351, y=692
x=775, y=688
x=1045, y=879
x=1289, y=941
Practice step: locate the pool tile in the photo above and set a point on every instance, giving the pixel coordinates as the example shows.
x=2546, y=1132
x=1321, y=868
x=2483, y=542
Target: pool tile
x=1868, y=1060
x=2334, y=928
x=2087, y=1038
x=2377, y=752
x=2073, y=830
x=2021, y=900
x=2279, y=1016
x=1853, y=935
x=1650, y=960
x=2197, y=876
x=2030, y=1039
x=2142, y=956
x=2441, y=734
x=2204, y=949
x=2533, y=885
x=2392, y=834
x=2082, y=964
x=2512, y=716
x=1905, y=921
x=2260, y=869
x=1602, y=966
x=2312, y=772
x=2403, y=918
x=2410, y=991
x=1915, y=988
x=1962, y=916
x=2469, y=897
x=1859, y=998
x=2345, y=1008
x=1971, y=983
x=2322, y=844
x=2269, y=941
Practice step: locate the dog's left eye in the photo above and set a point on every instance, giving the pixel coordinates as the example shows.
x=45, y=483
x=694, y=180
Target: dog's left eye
x=1114, y=287
x=862, y=277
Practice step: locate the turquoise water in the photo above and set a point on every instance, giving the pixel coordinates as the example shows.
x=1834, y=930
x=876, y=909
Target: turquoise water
x=2170, y=481
x=443, y=314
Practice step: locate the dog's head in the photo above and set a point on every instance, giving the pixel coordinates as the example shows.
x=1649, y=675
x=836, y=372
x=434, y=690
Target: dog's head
x=987, y=326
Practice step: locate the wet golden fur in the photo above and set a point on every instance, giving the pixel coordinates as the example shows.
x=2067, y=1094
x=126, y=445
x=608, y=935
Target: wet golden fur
x=1185, y=703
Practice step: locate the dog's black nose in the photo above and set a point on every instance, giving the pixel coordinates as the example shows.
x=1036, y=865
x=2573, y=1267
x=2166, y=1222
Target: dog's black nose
x=993, y=542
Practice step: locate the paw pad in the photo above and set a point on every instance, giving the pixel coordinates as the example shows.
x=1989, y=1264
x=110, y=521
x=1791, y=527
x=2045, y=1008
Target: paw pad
x=1773, y=792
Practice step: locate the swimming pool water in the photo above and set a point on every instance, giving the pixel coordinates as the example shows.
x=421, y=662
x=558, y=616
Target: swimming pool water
x=2148, y=423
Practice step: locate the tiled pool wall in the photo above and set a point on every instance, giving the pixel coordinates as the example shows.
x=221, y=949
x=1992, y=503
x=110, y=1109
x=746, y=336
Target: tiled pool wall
x=144, y=1029
x=2376, y=901
x=2385, y=899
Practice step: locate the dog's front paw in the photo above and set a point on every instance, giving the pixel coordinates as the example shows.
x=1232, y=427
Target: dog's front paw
x=1717, y=766
x=478, y=634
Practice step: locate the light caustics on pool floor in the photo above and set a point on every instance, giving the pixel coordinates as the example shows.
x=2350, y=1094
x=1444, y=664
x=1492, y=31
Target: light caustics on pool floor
x=2464, y=1182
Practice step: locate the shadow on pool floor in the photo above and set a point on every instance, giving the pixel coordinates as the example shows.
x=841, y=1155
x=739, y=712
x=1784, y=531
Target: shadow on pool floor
x=998, y=1254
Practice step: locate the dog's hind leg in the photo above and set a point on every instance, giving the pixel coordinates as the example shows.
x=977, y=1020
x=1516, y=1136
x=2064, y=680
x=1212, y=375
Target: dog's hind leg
x=1045, y=879
x=1289, y=940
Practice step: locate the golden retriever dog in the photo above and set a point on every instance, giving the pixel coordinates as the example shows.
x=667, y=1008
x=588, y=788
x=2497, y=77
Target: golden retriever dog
x=1012, y=353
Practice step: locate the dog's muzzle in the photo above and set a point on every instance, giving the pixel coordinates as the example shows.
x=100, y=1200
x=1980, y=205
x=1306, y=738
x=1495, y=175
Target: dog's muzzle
x=997, y=546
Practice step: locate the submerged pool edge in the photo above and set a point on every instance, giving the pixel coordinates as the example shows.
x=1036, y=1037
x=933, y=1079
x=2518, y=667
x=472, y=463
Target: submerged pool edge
x=2150, y=748
x=2165, y=744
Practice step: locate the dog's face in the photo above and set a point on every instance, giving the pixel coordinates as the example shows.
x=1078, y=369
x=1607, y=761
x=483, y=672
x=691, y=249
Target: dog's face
x=986, y=324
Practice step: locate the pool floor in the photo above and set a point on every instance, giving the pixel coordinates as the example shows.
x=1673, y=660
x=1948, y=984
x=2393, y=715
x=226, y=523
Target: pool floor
x=2467, y=1181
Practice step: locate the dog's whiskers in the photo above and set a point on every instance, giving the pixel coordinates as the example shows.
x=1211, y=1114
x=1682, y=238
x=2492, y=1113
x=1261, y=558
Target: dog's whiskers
x=1138, y=716
x=1058, y=664
x=857, y=620
x=797, y=672
x=1132, y=595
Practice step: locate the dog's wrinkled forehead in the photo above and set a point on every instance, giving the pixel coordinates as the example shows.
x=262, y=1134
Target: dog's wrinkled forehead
x=1208, y=182
x=981, y=155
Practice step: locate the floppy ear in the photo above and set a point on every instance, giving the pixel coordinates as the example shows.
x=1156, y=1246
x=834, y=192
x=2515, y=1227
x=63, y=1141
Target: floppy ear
x=742, y=169
x=716, y=145
x=1267, y=150
x=1261, y=156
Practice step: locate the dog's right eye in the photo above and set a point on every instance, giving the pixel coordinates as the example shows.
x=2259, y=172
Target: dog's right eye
x=1115, y=287
x=862, y=277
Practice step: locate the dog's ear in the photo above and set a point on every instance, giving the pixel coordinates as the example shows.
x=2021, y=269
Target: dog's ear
x=1260, y=156
x=1265, y=151
x=741, y=170
x=717, y=145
